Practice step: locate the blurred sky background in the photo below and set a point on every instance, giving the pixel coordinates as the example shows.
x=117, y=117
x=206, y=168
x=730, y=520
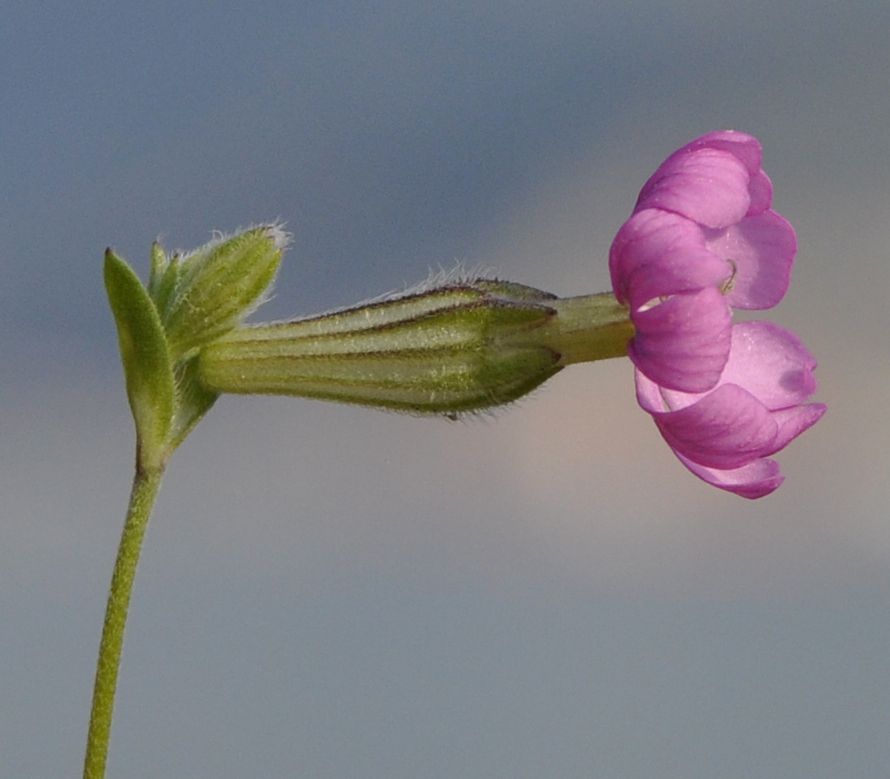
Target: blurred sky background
x=337, y=592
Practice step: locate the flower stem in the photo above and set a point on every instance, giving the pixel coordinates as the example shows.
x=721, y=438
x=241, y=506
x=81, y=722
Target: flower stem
x=588, y=328
x=145, y=489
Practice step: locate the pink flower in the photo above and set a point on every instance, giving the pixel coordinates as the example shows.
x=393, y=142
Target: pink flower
x=702, y=239
x=725, y=436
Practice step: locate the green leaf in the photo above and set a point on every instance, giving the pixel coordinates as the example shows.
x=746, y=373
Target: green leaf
x=145, y=357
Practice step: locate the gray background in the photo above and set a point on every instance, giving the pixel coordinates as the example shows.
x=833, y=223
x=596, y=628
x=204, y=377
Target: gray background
x=337, y=592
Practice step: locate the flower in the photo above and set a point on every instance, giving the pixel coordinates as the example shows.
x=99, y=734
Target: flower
x=702, y=239
x=725, y=436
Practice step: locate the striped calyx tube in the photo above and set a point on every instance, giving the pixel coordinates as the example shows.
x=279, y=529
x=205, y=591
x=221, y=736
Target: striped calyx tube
x=462, y=345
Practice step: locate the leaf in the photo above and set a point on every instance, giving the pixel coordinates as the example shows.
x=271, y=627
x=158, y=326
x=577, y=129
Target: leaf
x=145, y=357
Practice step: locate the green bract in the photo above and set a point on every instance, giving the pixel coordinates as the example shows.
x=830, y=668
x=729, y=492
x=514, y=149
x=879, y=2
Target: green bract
x=189, y=301
x=147, y=367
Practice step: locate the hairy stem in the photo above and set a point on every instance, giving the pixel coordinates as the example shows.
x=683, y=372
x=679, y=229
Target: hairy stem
x=145, y=489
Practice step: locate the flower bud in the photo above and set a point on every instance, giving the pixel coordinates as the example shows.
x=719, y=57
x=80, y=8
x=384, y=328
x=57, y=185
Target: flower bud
x=204, y=294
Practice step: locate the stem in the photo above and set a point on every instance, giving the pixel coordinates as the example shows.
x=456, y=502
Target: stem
x=588, y=328
x=145, y=489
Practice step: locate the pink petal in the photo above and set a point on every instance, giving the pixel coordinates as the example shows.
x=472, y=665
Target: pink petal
x=657, y=399
x=794, y=421
x=709, y=186
x=658, y=253
x=746, y=148
x=762, y=247
x=683, y=342
x=771, y=363
x=650, y=396
x=727, y=428
x=754, y=480
x=761, y=190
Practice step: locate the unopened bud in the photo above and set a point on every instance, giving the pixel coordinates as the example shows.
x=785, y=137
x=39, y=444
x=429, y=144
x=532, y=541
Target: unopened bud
x=204, y=294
